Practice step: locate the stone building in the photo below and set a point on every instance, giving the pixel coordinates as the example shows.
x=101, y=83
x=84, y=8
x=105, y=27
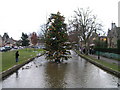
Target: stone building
x=6, y=41
x=113, y=36
x=93, y=38
x=11, y=42
x=74, y=38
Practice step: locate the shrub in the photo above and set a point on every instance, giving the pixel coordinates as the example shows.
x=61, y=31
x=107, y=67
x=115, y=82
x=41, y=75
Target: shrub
x=110, y=50
x=118, y=44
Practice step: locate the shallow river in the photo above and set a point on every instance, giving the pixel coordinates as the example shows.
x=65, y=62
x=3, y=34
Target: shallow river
x=74, y=73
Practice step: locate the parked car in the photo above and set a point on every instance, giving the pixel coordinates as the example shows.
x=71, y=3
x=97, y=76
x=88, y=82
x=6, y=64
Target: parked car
x=20, y=47
x=42, y=47
x=38, y=47
x=15, y=47
x=8, y=48
x=3, y=49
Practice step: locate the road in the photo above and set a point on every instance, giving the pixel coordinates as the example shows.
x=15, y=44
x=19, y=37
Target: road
x=74, y=73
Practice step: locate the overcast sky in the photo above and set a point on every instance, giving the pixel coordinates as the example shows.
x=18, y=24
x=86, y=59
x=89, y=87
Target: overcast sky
x=17, y=16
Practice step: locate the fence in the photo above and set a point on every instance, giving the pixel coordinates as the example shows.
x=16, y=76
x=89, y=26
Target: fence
x=109, y=55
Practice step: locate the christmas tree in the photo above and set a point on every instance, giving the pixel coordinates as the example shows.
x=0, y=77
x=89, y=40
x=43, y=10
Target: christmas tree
x=56, y=39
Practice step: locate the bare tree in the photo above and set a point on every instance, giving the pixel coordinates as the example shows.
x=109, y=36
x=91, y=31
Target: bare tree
x=86, y=24
x=43, y=30
x=42, y=33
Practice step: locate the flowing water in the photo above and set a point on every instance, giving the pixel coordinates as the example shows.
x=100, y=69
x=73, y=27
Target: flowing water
x=74, y=73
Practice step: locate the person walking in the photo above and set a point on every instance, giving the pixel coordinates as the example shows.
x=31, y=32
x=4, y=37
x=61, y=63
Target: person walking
x=16, y=56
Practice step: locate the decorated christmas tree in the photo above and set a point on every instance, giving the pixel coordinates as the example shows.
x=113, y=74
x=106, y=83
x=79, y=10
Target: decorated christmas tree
x=56, y=39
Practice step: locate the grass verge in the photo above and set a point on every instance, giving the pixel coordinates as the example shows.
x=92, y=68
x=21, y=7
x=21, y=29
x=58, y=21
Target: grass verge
x=106, y=64
x=8, y=58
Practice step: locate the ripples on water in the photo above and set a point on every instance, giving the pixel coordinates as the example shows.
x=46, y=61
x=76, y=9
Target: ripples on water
x=74, y=73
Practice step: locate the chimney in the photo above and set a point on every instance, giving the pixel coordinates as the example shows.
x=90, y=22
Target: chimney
x=113, y=25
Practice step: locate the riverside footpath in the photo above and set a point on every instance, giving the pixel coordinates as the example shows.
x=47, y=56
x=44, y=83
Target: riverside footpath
x=109, y=65
x=112, y=61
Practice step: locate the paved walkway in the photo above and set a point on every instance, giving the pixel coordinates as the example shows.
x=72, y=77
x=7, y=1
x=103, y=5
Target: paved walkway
x=107, y=59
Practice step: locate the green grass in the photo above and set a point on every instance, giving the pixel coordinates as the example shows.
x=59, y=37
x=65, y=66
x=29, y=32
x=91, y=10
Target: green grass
x=8, y=58
x=109, y=65
x=0, y=62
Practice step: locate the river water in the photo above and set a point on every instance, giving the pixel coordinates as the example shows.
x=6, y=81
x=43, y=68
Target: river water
x=74, y=73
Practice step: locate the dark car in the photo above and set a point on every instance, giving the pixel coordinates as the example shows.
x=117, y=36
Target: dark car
x=8, y=48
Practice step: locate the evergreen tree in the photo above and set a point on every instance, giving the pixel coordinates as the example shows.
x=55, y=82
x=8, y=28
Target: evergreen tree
x=56, y=39
x=5, y=37
x=25, y=41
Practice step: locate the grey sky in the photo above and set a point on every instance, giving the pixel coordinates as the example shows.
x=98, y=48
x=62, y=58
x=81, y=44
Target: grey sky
x=17, y=16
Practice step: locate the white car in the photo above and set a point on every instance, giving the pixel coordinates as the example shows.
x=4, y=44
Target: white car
x=15, y=47
x=2, y=49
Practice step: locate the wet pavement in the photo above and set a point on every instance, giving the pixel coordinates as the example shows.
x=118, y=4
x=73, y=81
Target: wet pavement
x=74, y=73
x=107, y=59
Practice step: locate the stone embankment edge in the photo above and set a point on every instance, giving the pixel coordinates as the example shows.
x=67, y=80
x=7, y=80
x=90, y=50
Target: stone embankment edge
x=16, y=67
x=116, y=73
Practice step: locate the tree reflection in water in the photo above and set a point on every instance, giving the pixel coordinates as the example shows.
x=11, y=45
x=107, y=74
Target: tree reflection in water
x=55, y=74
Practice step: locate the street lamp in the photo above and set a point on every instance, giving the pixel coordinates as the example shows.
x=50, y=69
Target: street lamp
x=98, y=46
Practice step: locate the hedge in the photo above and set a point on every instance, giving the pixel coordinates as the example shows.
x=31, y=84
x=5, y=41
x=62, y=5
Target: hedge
x=110, y=50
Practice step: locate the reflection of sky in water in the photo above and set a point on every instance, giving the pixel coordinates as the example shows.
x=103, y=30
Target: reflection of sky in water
x=0, y=84
x=76, y=73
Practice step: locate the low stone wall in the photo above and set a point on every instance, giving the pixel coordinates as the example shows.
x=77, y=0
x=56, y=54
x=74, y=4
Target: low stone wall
x=15, y=67
x=116, y=73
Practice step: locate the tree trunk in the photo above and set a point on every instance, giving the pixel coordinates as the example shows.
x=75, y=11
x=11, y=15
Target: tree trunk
x=86, y=50
x=85, y=47
x=57, y=60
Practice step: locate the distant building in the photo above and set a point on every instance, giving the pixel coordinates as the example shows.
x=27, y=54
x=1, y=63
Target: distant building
x=93, y=38
x=6, y=41
x=11, y=42
x=73, y=36
x=1, y=43
x=113, y=36
x=29, y=38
